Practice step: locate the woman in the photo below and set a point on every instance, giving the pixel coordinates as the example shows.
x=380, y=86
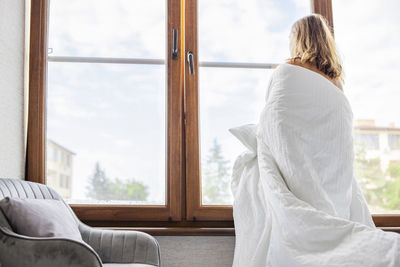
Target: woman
x=297, y=202
x=312, y=46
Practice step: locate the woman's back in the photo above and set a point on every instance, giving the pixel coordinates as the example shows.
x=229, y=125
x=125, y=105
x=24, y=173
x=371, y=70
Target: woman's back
x=308, y=112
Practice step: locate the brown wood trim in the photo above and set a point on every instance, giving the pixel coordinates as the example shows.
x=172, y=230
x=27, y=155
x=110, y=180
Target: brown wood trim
x=195, y=211
x=36, y=140
x=162, y=224
x=386, y=220
x=390, y=229
x=175, y=149
x=35, y=166
x=113, y=213
x=194, y=231
x=380, y=220
x=192, y=140
x=323, y=7
x=211, y=213
x=207, y=218
x=182, y=71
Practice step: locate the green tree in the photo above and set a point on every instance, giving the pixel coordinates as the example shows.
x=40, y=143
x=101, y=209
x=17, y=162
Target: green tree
x=128, y=190
x=99, y=184
x=381, y=188
x=392, y=194
x=102, y=188
x=216, y=177
x=370, y=176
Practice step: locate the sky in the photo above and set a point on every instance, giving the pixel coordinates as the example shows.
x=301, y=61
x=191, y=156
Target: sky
x=115, y=114
x=367, y=35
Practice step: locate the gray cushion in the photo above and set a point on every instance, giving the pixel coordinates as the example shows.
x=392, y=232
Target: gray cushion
x=40, y=218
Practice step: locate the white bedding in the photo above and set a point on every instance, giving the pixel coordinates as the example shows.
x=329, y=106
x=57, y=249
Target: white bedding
x=296, y=201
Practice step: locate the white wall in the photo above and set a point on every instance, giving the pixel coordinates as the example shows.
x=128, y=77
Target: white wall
x=196, y=251
x=12, y=130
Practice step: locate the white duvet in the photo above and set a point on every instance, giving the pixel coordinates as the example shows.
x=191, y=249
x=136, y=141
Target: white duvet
x=296, y=201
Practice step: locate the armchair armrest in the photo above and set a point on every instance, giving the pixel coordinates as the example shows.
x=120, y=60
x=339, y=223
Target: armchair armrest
x=20, y=251
x=122, y=246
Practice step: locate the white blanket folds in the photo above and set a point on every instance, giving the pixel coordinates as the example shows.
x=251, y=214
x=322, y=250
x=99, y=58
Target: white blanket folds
x=296, y=201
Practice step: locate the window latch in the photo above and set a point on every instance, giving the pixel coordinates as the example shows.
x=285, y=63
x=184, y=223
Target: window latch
x=175, y=44
x=190, y=60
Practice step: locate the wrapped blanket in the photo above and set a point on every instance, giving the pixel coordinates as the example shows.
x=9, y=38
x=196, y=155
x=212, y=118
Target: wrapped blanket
x=296, y=201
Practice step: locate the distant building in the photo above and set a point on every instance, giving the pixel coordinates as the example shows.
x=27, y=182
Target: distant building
x=379, y=142
x=59, y=168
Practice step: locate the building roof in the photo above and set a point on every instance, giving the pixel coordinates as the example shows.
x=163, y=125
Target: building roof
x=60, y=146
x=377, y=129
x=369, y=125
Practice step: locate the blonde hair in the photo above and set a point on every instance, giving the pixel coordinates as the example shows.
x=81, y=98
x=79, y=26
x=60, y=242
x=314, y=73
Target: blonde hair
x=312, y=43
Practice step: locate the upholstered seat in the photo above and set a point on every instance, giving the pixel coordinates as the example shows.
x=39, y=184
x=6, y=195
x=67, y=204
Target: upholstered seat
x=106, y=248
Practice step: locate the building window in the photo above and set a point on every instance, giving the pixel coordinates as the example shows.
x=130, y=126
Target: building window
x=369, y=141
x=68, y=158
x=64, y=181
x=52, y=153
x=62, y=157
x=394, y=141
x=61, y=180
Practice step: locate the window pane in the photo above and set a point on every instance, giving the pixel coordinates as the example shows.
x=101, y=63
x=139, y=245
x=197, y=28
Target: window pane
x=228, y=98
x=108, y=28
x=236, y=31
x=247, y=31
x=368, y=141
x=106, y=124
x=366, y=38
x=394, y=141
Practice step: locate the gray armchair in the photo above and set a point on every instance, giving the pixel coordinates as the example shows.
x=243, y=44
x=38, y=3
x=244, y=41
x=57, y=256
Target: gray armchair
x=101, y=248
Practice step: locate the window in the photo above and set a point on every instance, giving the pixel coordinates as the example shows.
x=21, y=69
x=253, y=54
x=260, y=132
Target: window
x=368, y=141
x=62, y=157
x=63, y=181
x=104, y=85
x=371, y=68
x=111, y=115
x=143, y=91
x=394, y=141
x=51, y=151
x=68, y=160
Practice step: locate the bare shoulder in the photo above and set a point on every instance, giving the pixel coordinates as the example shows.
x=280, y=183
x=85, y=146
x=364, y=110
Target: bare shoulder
x=338, y=83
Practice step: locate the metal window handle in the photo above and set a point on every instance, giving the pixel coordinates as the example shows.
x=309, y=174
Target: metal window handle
x=190, y=60
x=175, y=44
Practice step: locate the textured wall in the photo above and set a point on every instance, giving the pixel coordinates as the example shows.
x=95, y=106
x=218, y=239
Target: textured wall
x=12, y=148
x=196, y=251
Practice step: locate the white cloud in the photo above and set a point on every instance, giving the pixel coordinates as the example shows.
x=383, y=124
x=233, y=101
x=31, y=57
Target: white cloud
x=118, y=28
x=246, y=31
x=366, y=33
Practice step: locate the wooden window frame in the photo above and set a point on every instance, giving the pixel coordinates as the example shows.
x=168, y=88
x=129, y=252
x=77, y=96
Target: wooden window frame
x=183, y=181
x=35, y=163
